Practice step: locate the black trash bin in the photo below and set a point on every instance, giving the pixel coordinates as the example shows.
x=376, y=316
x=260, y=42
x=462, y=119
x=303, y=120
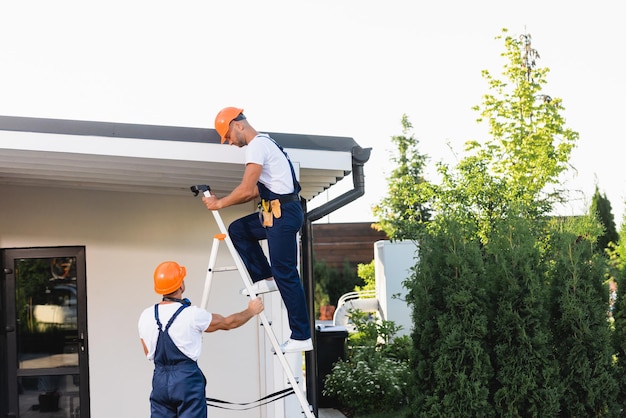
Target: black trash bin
x=331, y=346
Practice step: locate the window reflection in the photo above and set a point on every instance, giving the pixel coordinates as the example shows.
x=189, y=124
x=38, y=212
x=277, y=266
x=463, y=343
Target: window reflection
x=46, y=303
x=49, y=396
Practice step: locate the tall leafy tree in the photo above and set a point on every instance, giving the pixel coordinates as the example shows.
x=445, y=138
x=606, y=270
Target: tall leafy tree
x=490, y=252
x=530, y=145
x=401, y=213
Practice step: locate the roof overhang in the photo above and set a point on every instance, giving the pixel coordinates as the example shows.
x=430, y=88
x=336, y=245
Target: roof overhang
x=153, y=159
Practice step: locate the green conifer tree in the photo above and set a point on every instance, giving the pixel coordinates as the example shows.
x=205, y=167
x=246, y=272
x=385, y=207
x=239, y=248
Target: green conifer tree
x=452, y=368
x=582, y=337
x=526, y=382
x=617, y=261
x=401, y=213
x=601, y=207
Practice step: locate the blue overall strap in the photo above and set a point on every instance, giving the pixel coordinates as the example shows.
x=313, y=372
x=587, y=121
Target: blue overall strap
x=166, y=352
x=167, y=327
x=296, y=184
x=156, y=316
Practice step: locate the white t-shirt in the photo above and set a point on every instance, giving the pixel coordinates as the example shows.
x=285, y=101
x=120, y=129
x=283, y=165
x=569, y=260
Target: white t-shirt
x=186, y=330
x=276, y=174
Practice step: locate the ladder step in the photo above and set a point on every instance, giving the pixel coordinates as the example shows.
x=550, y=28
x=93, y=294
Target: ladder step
x=218, y=269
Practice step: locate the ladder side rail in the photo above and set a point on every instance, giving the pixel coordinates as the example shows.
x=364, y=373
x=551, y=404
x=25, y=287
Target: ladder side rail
x=209, y=273
x=270, y=333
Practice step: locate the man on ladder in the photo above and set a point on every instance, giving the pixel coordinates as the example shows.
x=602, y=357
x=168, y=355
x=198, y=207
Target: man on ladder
x=268, y=174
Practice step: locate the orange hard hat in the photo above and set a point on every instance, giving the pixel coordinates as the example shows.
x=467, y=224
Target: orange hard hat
x=168, y=276
x=224, y=118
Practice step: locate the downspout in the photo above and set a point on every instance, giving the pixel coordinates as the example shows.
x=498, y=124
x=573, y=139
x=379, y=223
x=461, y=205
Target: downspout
x=359, y=157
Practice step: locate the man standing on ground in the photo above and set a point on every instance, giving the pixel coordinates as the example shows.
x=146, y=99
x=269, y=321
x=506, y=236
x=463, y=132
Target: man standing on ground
x=171, y=336
x=269, y=175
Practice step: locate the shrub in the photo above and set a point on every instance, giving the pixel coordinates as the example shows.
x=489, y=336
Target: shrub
x=368, y=381
x=375, y=375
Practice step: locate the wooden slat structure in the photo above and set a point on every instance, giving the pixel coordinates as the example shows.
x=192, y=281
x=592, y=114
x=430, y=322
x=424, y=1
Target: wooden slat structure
x=336, y=242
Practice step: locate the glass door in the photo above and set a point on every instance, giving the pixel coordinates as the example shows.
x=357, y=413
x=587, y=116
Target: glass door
x=46, y=333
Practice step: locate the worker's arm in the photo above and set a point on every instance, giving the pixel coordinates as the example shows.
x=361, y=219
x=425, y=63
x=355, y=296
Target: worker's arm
x=145, y=349
x=219, y=322
x=244, y=192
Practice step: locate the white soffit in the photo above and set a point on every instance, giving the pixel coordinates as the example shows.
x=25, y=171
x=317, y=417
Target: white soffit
x=146, y=165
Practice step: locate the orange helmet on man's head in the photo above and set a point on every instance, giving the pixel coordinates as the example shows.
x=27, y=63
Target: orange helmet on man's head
x=168, y=277
x=225, y=117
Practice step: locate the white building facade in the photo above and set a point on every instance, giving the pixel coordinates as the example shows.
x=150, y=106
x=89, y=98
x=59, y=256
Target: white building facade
x=94, y=207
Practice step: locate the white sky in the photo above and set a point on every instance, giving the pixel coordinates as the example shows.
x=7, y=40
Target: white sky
x=325, y=67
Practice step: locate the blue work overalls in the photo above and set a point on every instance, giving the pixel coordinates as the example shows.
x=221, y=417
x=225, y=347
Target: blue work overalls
x=246, y=233
x=178, y=385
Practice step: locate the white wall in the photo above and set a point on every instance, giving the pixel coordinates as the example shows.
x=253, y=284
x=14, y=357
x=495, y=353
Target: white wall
x=393, y=263
x=126, y=235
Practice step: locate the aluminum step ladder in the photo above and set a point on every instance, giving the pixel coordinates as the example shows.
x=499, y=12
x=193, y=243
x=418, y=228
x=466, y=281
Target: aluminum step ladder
x=247, y=281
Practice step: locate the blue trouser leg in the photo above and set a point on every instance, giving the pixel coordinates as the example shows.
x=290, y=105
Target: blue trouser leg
x=246, y=233
x=283, y=249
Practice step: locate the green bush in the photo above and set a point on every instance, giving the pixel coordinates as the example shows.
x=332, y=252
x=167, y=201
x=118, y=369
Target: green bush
x=375, y=375
x=368, y=381
x=332, y=283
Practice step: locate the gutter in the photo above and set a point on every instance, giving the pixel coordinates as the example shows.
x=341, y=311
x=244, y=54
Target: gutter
x=359, y=157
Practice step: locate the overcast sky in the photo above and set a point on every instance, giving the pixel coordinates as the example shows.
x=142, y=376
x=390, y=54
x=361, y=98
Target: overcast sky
x=346, y=68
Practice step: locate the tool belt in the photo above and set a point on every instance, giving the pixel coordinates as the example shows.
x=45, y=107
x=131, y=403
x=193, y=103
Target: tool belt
x=286, y=198
x=270, y=209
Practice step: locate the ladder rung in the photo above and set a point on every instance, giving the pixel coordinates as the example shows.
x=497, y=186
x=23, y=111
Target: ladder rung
x=297, y=379
x=218, y=269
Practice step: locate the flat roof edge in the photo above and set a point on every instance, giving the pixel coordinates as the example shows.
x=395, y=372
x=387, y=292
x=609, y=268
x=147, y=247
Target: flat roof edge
x=161, y=132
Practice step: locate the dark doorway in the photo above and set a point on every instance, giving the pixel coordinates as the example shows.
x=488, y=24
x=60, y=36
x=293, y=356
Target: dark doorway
x=44, y=338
